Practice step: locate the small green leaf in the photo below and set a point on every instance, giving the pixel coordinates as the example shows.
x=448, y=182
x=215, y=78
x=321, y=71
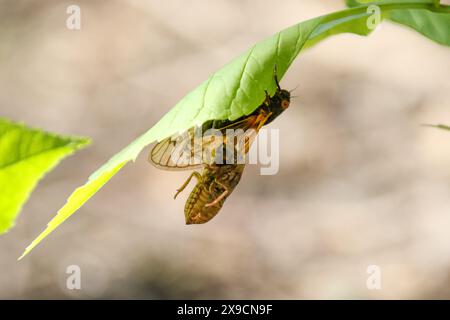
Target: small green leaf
x=25, y=156
x=235, y=90
x=434, y=25
x=439, y=126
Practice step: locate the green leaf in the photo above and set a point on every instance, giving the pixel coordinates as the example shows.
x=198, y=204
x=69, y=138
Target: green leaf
x=433, y=24
x=25, y=156
x=235, y=90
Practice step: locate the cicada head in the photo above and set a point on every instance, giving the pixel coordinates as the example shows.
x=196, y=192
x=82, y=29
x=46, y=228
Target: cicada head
x=285, y=98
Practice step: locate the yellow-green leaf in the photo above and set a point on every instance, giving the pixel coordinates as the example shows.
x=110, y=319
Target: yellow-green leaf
x=25, y=156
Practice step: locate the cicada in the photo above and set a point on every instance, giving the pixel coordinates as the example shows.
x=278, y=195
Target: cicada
x=208, y=151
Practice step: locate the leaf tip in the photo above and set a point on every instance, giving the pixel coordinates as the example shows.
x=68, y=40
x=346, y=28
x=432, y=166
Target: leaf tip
x=438, y=126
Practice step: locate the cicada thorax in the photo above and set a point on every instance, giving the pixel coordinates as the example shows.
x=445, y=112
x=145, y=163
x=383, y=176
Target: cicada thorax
x=207, y=198
x=273, y=106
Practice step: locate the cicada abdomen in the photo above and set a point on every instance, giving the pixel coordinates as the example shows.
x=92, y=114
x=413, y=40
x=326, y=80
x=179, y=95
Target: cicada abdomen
x=215, y=185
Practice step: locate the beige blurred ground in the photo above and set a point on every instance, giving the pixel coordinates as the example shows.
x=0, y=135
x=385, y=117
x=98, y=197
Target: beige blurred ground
x=361, y=182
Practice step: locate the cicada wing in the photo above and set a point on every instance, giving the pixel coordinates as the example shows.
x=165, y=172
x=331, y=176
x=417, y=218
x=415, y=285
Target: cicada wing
x=176, y=152
x=243, y=144
x=184, y=151
x=193, y=148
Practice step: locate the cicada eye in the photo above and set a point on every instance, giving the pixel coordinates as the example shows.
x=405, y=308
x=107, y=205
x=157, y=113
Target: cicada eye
x=285, y=104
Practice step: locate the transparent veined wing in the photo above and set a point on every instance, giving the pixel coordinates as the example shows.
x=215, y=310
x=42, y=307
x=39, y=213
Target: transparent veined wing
x=206, y=145
x=185, y=151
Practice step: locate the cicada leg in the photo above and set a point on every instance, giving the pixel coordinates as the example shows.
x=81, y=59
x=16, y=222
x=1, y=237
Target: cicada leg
x=219, y=198
x=193, y=174
x=262, y=119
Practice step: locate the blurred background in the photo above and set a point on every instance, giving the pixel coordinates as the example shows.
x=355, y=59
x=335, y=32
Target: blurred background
x=361, y=182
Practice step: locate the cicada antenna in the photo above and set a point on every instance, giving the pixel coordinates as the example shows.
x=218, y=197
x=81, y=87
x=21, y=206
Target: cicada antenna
x=296, y=87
